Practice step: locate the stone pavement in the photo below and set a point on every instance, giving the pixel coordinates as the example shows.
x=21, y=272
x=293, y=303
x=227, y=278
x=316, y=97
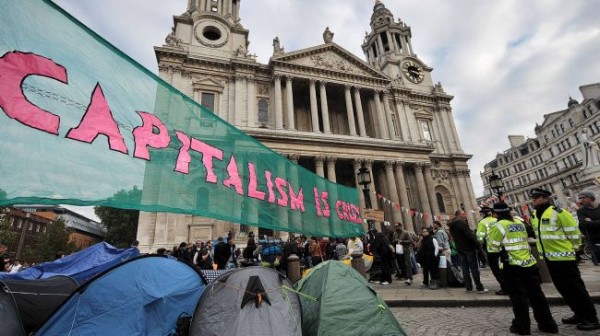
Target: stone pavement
x=398, y=294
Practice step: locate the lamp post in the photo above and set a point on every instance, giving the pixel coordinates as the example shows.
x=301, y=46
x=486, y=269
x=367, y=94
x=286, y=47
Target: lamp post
x=364, y=179
x=496, y=184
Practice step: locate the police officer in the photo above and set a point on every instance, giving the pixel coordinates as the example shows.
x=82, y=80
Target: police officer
x=507, y=237
x=493, y=258
x=558, y=237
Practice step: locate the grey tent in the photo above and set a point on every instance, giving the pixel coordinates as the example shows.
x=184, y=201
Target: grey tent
x=248, y=301
x=26, y=304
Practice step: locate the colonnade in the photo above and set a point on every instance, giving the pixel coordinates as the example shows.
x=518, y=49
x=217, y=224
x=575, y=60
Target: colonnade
x=396, y=186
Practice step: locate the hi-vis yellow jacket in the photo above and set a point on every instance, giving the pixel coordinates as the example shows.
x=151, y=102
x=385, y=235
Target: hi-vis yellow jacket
x=483, y=227
x=513, y=237
x=557, y=234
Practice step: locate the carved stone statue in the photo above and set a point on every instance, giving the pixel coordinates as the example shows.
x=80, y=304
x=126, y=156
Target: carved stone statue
x=591, y=151
x=327, y=35
x=172, y=39
x=277, y=48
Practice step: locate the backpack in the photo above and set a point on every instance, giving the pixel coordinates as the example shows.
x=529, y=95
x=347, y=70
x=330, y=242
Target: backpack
x=455, y=277
x=270, y=250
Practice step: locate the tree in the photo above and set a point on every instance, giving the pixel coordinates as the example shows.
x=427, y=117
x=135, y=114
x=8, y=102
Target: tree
x=121, y=225
x=7, y=236
x=56, y=240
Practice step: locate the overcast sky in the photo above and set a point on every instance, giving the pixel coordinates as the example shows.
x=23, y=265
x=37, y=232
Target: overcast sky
x=507, y=63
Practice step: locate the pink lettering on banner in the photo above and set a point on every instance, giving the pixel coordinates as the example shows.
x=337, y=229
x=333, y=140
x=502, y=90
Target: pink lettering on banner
x=144, y=135
x=271, y=198
x=347, y=212
x=234, y=177
x=14, y=68
x=208, y=154
x=296, y=200
x=325, y=201
x=183, y=158
x=253, y=184
x=98, y=119
x=280, y=184
x=321, y=204
x=317, y=202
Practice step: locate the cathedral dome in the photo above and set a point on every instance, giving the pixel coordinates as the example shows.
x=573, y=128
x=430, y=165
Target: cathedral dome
x=572, y=102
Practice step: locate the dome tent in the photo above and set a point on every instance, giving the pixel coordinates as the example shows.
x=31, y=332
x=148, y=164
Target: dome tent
x=143, y=296
x=332, y=293
x=248, y=301
x=26, y=304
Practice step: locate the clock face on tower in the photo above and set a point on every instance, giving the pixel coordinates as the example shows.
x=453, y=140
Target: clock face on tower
x=412, y=71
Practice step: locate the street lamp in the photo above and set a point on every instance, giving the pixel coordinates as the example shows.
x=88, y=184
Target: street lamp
x=364, y=179
x=496, y=184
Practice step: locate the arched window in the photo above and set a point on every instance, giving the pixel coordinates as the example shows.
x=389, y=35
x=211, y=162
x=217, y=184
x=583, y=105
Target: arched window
x=263, y=112
x=440, y=201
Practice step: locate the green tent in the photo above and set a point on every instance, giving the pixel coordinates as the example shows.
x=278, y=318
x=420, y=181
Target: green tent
x=337, y=300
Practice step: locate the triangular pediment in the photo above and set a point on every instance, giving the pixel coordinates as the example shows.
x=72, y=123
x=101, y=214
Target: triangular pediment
x=208, y=82
x=329, y=57
x=551, y=117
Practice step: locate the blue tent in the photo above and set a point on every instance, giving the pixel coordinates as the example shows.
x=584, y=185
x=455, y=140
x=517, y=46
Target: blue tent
x=80, y=266
x=143, y=296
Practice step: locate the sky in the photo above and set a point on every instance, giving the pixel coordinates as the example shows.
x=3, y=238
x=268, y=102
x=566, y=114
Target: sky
x=507, y=63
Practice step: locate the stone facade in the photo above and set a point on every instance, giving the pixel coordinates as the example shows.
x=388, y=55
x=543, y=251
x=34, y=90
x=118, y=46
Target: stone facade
x=555, y=159
x=325, y=109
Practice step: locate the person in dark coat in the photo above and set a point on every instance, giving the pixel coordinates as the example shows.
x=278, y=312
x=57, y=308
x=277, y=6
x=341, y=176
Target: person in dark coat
x=183, y=253
x=430, y=259
x=222, y=253
x=382, y=250
x=467, y=247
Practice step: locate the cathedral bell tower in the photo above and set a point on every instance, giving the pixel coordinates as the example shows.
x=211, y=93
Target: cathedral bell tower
x=211, y=27
x=388, y=48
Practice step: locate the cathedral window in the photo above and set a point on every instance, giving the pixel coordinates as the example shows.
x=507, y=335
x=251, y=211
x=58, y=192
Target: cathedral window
x=395, y=124
x=425, y=129
x=440, y=202
x=263, y=112
x=385, y=42
x=208, y=101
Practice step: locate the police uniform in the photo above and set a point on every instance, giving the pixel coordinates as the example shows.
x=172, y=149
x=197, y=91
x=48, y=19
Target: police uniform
x=493, y=257
x=558, y=237
x=521, y=276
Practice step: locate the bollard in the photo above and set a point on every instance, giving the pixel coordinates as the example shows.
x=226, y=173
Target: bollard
x=543, y=268
x=358, y=263
x=293, y=268
x=443, y=270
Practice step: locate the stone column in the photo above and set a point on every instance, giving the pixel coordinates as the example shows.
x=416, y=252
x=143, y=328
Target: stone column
x=402, y=119
x=412, y=123
x=408, y=223
x=383, y=131
x=452, y=126
x=324, y=108
x=465, y=194
x=278, y=103
x=314, y=112
x=357, y=164
x=456, y=188
x=430, y=189
x=349, y=110
x=359, y=113
x=442, y=131
x=319, y=165
x=451, y=134
x=239, y=102
x=373, y=191
x=388, y=115
x=423, y=191
x=230, y=102
x=331, y=169
x=389, y=174
x=380, y=45
x=251, y=103
x=290, y=104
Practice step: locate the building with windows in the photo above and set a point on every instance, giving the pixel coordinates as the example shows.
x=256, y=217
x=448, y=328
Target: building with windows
x=325, y=109
x=556, y=158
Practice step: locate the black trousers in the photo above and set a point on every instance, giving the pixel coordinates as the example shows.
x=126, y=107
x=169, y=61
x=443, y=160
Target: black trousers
x=494, y=262
x=523, y=286
x=567, y=280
